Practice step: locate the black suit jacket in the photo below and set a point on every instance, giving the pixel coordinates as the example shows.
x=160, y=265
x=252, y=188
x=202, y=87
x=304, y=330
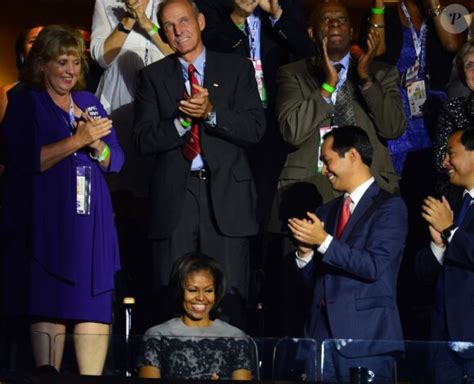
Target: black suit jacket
x=240, y=123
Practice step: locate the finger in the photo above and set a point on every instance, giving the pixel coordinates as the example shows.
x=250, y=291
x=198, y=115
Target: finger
x=312, y=216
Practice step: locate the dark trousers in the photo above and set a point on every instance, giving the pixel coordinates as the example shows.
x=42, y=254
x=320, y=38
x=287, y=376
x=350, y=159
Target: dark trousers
x=197, y=231
x=450, y=364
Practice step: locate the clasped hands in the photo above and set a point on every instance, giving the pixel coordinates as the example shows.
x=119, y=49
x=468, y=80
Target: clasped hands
x=439, y=215
x=244, y=8
x=363, y=62
x=196, y=106
x=89, y=131
x=308, y=232
x=136, y=9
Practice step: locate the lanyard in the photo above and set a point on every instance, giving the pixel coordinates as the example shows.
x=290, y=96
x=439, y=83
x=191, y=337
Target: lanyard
x=148, y=42
x=253, y=31
x=72, y=117
x=418, y=41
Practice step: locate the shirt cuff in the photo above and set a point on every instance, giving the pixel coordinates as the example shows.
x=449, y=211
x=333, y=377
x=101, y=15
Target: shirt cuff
x=181, y=130
x=438, y=252
x=301, y=262
x=274, y=21
x=325, y=244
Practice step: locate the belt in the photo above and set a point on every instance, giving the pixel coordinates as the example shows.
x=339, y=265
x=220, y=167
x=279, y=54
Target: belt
x=201, y=174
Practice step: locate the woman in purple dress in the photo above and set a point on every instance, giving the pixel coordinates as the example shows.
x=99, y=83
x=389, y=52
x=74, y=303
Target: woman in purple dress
x=61, y=249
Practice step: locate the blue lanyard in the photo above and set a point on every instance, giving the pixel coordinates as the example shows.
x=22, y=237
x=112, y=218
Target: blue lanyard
x=419, y=42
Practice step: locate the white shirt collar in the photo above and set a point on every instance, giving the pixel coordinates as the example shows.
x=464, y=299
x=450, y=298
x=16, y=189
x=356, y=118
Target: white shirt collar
x=357, y=193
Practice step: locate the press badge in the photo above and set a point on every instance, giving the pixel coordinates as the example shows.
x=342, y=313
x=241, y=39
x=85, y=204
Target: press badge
x=257, y=64
x=416, y=97
x=83, y=189
x=322, y=132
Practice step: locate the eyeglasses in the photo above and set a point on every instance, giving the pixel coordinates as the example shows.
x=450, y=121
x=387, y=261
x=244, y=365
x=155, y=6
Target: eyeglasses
x=469, y=66
x=330, y=20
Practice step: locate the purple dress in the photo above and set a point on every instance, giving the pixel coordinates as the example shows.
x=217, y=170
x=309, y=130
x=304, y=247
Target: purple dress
x=416, y=135
x=58, y=264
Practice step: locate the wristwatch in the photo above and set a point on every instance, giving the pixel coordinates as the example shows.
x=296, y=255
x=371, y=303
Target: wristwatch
x=122, y=28
x=446, y=233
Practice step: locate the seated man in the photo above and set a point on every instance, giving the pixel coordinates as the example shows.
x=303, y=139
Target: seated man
x=349, y=254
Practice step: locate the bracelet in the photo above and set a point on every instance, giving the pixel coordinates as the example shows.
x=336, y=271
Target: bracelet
x=373, y=25
x=437, y=11
x=103, y=155
x=122, y=28
x=328, y=88
x=184, y=123
x=154, y=31
x=377, y=11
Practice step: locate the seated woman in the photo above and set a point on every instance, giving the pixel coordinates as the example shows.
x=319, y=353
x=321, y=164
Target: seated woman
x=196, y=345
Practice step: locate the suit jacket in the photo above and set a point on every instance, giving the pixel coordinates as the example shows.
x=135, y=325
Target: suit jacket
x=357, y=275
x=302, y=111
x=458, y=270
x=285, y=41
x=230, y=80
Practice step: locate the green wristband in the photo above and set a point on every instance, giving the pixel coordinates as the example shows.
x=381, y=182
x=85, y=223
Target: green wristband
x=184, y=123
x=328, y=88
x=377, y=11
x=103, y=155
x=154, y=31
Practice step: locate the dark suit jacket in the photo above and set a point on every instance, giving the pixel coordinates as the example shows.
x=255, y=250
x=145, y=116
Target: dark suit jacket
x=358, y=272
x=230, y=80
x=302, y=111
x=281, y=43
x=458, y=270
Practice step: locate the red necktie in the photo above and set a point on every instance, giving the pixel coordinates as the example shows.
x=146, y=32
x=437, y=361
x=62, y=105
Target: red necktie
x=344, y=216
x=193, y=147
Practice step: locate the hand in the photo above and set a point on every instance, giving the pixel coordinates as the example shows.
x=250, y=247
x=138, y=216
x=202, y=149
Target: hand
x=437, y=213
x=244, y=8
x=272, y=7
x=436, y=237
x=137, y=8
x=215, y=376
x=373, y=41
x=89, y=131
x=332, y=77
x=198, y=105
x=308, y=231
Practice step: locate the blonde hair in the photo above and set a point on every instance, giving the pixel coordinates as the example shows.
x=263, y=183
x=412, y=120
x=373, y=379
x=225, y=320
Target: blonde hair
x=52, y=42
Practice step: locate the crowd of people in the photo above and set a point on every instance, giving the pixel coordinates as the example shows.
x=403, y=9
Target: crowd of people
x=241, y=154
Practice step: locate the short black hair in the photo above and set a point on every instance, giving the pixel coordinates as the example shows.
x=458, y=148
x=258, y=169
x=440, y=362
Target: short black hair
x=315, y=14
x=351, y=136
x=194, y=262
x=467, y=139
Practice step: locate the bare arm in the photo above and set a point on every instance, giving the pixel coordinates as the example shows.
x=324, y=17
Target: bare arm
x=88, y=133
x=377, y=24
x=149, y=372
x=451, y=42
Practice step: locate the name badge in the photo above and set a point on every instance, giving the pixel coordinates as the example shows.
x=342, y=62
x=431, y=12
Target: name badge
x=83, y=189
x=322, y=132
x=416, y=97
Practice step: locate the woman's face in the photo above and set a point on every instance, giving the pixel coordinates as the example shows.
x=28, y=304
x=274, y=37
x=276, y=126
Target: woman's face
x=61, y=74
x=199, y=298
x=30, y=39
x=469, y=70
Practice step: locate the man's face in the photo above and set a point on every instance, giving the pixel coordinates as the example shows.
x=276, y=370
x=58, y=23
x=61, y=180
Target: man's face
x=182, y=27
x=333, y=22
x=337, y=169
x=459, y=162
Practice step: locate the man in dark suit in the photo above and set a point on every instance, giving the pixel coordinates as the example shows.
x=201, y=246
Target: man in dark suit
x=203, y=196
x=449, y=261
x=327, y=90
x=321, y=92
x=349, y=254
x=270, y=33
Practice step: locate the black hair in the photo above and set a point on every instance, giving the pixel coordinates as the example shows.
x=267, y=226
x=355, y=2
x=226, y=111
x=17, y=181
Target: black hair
x=194, y=262
x=351, y=136
x=467, y=139
x=20, y=45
